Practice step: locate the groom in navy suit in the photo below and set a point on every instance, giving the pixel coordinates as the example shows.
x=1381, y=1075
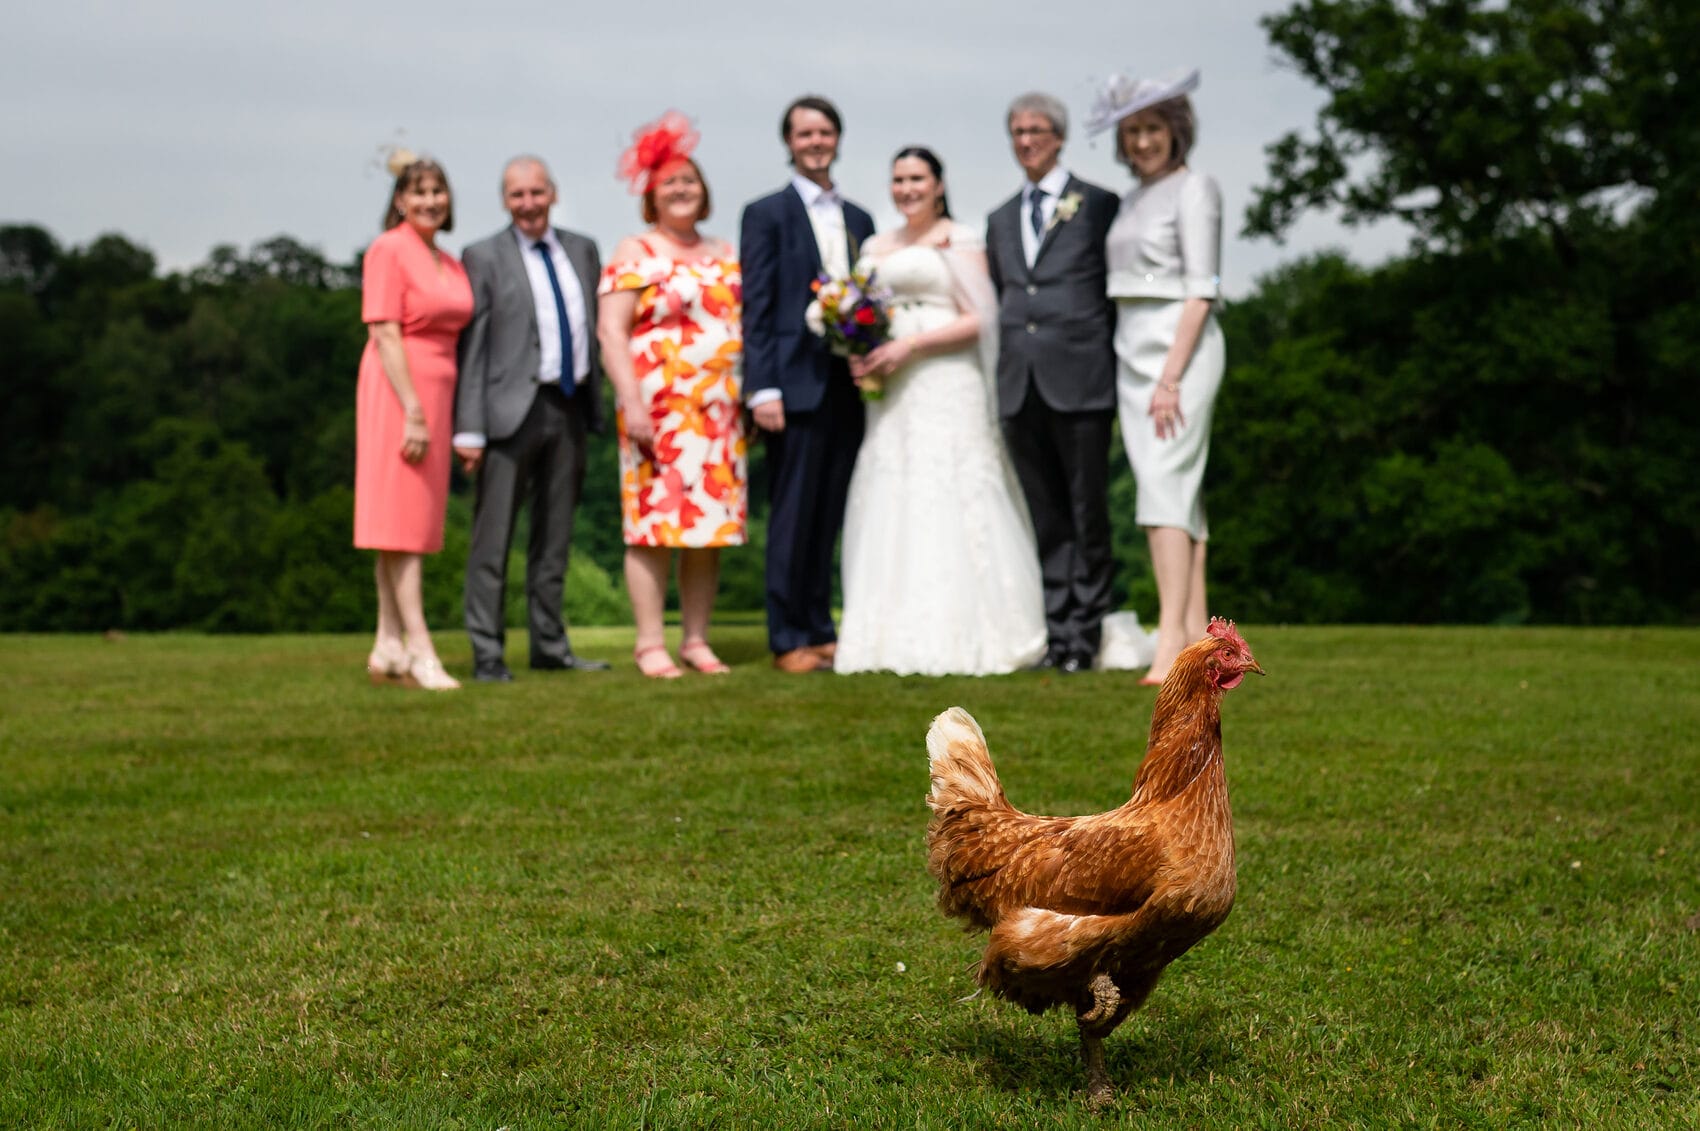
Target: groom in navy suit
x=801, y=395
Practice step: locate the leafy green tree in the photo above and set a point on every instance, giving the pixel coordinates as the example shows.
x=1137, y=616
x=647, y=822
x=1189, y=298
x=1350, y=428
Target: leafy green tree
x=591, y=596
x=28, y=256
x=86, y=281
x=123, y=385
x=1452, y=438
x=282, y=258
x=1494, y=428
x=318, y=581
x=53, y=583
x=1471, y=119
x=38, y=396
x=275, y=365
x=185, y=544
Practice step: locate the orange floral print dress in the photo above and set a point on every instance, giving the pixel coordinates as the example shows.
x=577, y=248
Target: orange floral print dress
x=687, y=348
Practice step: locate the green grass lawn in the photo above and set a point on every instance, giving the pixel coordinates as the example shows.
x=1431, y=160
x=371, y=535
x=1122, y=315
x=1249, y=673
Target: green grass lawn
x=241, y=888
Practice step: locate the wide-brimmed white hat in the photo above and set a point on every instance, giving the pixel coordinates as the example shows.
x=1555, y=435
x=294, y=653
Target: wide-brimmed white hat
x=1121, y=96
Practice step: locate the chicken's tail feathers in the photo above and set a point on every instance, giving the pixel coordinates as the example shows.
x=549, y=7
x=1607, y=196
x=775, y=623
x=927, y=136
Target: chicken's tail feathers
x=960, y=765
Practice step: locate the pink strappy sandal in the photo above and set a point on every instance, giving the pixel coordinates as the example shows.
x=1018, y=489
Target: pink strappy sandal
x=698, y=656
x=655, y=670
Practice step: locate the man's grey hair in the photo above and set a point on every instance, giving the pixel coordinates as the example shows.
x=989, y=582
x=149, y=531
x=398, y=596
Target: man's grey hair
x=524, y=159
x=1038, y=102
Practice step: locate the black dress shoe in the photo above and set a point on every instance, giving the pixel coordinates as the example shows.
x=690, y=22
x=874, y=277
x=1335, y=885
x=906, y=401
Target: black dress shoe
x=1044, y=663
x=567, y=663
x=1068, y=665
x=492, y=671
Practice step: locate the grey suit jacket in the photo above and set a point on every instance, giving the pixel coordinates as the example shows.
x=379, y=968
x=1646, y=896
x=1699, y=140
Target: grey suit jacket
x=1056, y=323
x=499, y=349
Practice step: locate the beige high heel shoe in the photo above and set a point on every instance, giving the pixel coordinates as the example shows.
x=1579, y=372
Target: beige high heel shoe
x=426, y=673
x=387, y=664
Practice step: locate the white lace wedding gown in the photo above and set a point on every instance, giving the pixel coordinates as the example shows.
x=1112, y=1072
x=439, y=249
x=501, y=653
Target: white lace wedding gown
x=940, y=571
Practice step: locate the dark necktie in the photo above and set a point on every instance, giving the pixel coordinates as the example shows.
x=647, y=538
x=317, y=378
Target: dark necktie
x=1038, y=215
x=569, y=380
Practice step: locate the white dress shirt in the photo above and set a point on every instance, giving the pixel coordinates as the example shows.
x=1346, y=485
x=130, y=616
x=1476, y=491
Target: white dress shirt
x=1052, y=184
x=548, y=325
x=826, y=215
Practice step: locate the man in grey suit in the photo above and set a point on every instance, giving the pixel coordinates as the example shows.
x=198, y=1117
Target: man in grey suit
x=1057, y=372
x=527, y=397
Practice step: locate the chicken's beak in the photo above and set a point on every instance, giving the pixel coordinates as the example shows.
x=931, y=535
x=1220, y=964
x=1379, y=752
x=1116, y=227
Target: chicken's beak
x=1257, y=667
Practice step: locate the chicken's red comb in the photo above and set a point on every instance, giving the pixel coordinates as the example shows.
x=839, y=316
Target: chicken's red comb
x=1223, y=629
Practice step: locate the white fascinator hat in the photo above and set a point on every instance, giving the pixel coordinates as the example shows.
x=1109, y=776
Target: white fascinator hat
x=1121, y=96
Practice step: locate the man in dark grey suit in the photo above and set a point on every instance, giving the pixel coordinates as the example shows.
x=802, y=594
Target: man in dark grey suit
x=528, y=395
x=1057, y=372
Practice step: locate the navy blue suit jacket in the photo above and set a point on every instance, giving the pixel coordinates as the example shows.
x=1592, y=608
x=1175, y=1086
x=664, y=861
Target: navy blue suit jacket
x=780, y=259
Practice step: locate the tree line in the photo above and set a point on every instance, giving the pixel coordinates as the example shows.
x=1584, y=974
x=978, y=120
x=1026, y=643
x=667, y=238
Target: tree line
x=1499, y=426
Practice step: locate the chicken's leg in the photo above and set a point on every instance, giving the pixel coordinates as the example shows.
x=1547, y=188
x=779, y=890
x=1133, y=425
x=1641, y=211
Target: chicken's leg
x=1099, y=1090
x=1106, y=1005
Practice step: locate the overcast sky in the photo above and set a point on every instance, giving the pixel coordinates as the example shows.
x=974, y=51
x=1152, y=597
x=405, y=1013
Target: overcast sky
x=188, y=123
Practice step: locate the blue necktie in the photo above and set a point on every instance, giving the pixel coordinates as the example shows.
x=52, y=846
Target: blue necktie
x=569, y=380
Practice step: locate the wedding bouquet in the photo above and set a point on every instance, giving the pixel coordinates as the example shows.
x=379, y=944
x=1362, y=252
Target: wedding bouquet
x=851, y=316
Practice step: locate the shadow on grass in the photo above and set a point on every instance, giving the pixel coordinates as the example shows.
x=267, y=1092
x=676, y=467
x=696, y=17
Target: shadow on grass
x=740, y=648
x=1170, y=1047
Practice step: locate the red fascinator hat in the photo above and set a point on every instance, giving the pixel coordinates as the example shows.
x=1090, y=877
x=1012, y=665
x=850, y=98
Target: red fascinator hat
x=655, y=146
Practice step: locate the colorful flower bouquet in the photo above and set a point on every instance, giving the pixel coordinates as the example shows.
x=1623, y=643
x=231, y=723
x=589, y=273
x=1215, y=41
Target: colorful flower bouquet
x=851, y=316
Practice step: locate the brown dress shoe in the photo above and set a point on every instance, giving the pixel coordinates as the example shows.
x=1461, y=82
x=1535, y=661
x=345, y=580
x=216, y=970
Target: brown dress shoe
x=827, y=651
x=798, y=661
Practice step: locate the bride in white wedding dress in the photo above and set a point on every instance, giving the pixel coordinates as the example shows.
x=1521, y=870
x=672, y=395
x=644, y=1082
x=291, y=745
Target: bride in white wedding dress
x=940, y=571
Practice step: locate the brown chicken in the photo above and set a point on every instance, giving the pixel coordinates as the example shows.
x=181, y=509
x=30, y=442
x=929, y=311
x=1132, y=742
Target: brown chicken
x=1086, y=912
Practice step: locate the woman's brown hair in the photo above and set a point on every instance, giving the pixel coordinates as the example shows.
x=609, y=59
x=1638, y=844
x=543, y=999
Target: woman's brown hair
x=1182, y=125
x=409, y=176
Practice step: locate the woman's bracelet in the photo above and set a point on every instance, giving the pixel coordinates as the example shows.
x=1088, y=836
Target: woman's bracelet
x=1169, y=386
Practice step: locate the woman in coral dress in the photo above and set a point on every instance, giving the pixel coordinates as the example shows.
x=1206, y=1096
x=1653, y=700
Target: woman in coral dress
x=669, y=324
x=415, y=300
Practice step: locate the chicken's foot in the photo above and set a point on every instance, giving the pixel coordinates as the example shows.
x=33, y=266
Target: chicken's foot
x=1106, y=999
x=1106, y=1004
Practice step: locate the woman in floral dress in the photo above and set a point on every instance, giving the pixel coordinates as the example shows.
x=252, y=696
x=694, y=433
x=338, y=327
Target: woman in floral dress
x=669, y=325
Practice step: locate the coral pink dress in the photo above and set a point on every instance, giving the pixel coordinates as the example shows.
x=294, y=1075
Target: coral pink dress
x=687, y=346
x=400, y=505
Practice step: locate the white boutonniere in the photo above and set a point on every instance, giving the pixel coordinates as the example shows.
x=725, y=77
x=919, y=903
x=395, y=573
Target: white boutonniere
x=1066, y=208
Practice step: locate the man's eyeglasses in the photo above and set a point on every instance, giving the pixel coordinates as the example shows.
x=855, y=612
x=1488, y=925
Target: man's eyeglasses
x=1024, y=132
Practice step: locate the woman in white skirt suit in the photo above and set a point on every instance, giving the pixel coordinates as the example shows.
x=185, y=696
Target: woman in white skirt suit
x=1164, y=258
